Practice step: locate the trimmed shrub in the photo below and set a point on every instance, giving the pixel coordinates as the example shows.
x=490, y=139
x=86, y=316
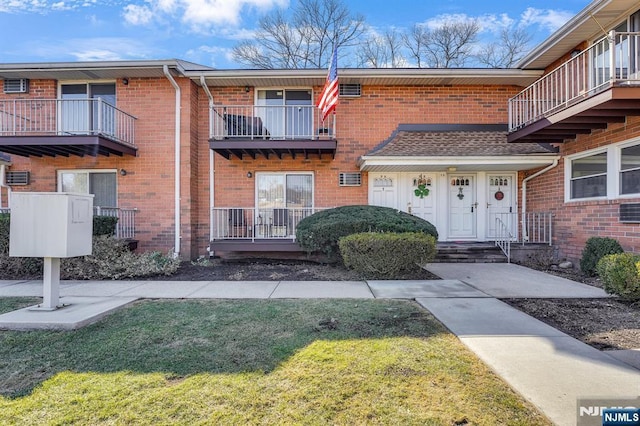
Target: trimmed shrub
x=321, y=231
x=595, y=249
x=111, y=259
x=4, y=232
x=376, y=255
x=104, y=225
x=620, y=274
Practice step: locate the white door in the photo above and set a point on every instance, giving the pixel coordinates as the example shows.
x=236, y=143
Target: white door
x=383, y=190
x=462, y=206
x=501, y=203
x=423, y=196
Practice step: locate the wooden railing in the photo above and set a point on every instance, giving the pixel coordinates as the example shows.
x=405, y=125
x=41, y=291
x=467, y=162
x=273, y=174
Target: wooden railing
x=615, y=59
x=270, y=122
x=63, y=117
x=249, y=223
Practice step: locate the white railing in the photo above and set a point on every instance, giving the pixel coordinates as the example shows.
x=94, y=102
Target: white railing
x=5, y=210
x=504, y=237
x=270, y=122
x=612, y=60
x=537, y=228
x=249, y=223
x=126, y=226
x=35, y=117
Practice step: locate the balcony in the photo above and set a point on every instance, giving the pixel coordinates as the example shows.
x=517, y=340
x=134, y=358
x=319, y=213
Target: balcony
x=295, y=130
x=257, y=229
x=51, y=127
x=597, y=86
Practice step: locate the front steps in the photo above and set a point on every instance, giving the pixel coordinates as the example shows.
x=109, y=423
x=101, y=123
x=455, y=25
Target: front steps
x=469, y=252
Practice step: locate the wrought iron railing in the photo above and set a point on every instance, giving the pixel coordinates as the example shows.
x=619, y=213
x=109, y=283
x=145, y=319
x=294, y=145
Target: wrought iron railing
x=534, y=228
x=126, y=226
x=614, y=59
x=270, y=122
x=249, y=223
x=44, y=117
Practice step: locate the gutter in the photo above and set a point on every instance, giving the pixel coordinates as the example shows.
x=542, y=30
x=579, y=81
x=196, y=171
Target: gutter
x=3, y=171
x=176, y=250
x=211, y=162
x=525, y=237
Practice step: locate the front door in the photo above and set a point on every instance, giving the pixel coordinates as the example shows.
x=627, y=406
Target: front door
x=423, y=197
x=501, y=204
x=462, y=206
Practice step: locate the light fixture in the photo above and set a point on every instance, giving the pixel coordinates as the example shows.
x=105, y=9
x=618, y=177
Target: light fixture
x=125, y=81
x=249, y=175
x=575, y=52
x=247, y=89
x=123, y=172
x=452, y=169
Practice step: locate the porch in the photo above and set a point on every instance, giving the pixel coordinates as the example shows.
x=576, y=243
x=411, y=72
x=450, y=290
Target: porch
x=296, y=130
x=52, y=127
x=597, y=86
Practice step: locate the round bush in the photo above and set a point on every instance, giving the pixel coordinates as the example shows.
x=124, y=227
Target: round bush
x=620, y=274
x=321, y=231
x=595, y=249
x=376, y=255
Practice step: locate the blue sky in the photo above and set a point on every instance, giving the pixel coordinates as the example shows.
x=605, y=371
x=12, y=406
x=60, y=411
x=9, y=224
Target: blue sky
x=204, y=31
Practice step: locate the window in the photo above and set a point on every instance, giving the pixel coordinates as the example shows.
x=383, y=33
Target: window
x=286, y=114
x=100, y=183
x=80, y=112
x=630, y=170
x=284, y=190
x=589, y=176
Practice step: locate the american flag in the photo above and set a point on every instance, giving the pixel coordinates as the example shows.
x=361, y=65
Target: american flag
x=329, y=97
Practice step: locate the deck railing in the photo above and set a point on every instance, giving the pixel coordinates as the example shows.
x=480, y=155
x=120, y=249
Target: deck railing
x=270, y=122
x=615, y=59
x=534, y=228
x=126, y=226
x=249, y=223
x=63, y=117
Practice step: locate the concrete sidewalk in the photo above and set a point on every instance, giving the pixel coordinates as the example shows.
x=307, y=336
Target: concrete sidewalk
x=546, y=366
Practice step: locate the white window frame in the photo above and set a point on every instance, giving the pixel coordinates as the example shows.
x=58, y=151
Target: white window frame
x=285, y=173
x=60, y=172
x=614, y=166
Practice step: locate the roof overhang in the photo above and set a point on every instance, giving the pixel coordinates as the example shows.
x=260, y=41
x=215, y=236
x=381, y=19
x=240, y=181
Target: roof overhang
x=253, y=148
x=369, y=77
x=65, y=146
x=461, y=164
x=97, y=69
x=586, y=25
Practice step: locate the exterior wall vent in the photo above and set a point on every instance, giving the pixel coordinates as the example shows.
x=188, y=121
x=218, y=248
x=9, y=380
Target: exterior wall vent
x=630, y=213
x=18, y=178
x=350, y=90
x=350, y=179
x=16, y=85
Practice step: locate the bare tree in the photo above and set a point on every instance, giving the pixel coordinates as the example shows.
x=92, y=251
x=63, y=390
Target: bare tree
x=381, y=51
x=513, y=45
x=451, y=44
x=415, y=40
x=304, y=39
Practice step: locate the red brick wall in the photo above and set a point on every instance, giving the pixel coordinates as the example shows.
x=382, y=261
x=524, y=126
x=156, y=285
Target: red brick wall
x=575, y=222
x=362, y=123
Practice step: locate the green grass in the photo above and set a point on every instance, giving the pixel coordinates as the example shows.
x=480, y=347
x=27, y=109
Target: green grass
x=253, y=362
x=8, y=304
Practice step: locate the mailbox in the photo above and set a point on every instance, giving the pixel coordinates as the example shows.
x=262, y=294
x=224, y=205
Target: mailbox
x=50, y=224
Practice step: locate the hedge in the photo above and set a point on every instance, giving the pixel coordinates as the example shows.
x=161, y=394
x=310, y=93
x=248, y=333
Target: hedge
x=595, y=249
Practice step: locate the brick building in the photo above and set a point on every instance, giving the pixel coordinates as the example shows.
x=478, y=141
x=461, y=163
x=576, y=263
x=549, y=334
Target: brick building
x=196, y=159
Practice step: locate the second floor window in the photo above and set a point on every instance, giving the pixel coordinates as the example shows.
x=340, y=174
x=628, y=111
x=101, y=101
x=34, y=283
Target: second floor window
x=80, y=112
x=286, y=113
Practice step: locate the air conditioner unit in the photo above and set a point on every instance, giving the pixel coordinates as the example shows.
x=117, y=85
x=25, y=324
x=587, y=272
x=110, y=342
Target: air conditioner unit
x=350, y=90
x=18, y=178
x=16, y=85
x=350, y=179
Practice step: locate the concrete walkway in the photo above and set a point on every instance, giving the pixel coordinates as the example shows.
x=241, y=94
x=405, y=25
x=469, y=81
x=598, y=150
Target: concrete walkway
x=546, y=366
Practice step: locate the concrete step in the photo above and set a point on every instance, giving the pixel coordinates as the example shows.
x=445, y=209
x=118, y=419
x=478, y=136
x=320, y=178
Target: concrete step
x=469, y=253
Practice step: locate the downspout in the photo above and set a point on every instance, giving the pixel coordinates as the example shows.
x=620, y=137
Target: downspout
x=525, y=237
x=177, y=231
x=211, y=163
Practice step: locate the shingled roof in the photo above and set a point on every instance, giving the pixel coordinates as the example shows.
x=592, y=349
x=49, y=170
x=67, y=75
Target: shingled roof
x=4, y=157
x=422, y=140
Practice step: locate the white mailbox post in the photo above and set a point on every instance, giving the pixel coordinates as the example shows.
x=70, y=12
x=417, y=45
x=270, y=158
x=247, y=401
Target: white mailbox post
x=51, y=225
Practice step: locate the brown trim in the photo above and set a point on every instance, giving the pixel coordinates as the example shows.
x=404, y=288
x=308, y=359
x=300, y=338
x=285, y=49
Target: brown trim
x=79, y=145
x=239, y=148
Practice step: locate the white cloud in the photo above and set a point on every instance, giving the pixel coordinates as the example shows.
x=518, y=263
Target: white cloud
x=200, y=15
x=37, y=6
x=137, y=15
x=210, y=55
x=92, y=49
x=487, y=22
x=548, y=19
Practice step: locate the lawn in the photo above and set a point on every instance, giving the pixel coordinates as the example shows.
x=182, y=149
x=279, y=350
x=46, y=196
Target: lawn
x=253, y=362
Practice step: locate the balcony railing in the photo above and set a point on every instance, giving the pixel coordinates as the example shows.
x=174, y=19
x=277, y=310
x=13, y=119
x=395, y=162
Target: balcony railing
x=126, y=226
x=270, y=122
x=62, y=117
x=249, y=223
x=613, y=60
